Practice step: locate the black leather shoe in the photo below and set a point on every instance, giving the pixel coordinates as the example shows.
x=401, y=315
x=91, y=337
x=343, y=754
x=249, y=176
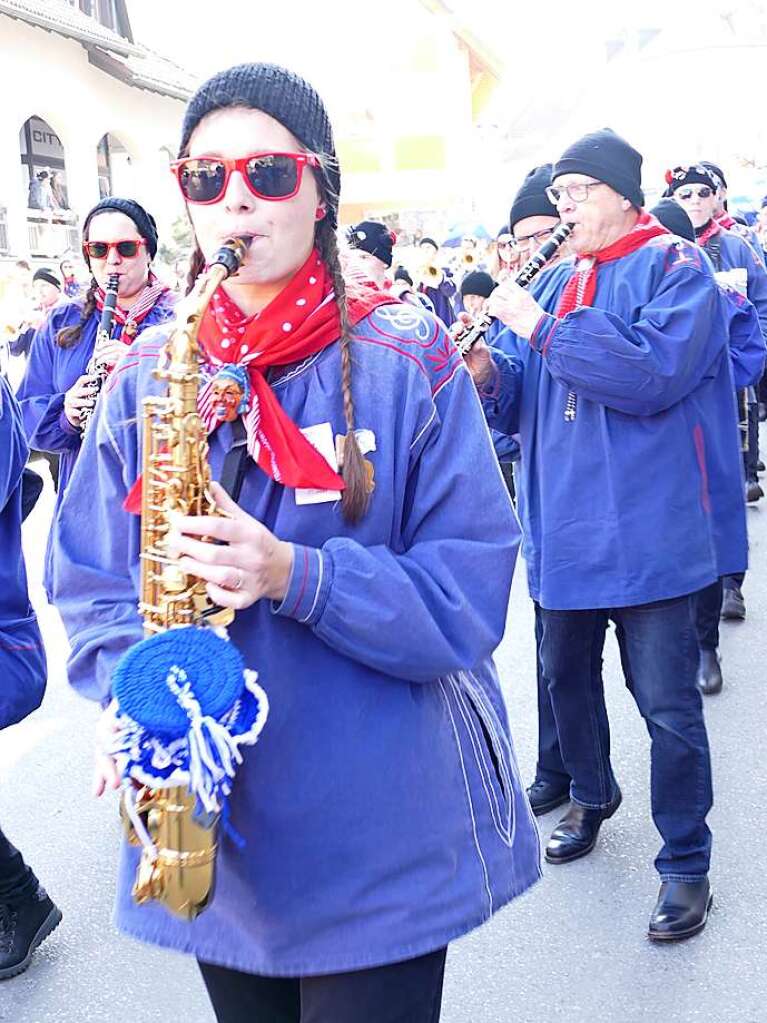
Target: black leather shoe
x=681, y=910
x=733, y=605
x=545, y=797
x=23, y=927
x=576, y=834
x=710, y=679
x=760, y=466
x=754, y=491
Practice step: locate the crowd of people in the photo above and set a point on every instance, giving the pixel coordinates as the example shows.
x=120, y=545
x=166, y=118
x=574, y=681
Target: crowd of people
x=381, y=814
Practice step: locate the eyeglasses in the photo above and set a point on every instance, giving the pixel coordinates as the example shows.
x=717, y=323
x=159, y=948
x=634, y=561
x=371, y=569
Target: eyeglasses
x=538, y=237
x=272, y=176
x=685, y=194
x=505, y=243
x=578, y=192
x=128, y=248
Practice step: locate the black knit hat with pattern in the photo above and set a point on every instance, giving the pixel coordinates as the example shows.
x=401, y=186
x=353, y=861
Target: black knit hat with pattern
x=145, y=223
x=690, y=174
x=531, y=200
x=287, y=98
x=607, y=157
x=374, y=237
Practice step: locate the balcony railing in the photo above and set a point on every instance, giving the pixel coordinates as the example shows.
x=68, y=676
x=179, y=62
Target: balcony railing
x=52, y=233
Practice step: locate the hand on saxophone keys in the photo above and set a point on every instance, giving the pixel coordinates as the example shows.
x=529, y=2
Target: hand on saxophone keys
x=515, y=307
x=249, y=564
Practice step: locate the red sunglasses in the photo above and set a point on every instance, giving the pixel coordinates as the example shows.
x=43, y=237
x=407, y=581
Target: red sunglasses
x=127, y=248
x=272, y=176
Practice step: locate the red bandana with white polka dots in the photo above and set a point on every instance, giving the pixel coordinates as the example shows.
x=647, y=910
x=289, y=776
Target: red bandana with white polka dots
x=300, y=321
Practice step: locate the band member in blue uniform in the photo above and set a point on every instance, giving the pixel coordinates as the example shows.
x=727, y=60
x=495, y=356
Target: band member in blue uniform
x=695, y=188
x=370, y=596
x=119, y=237
x=437, y=283
x=621, y=369
x=27, y=914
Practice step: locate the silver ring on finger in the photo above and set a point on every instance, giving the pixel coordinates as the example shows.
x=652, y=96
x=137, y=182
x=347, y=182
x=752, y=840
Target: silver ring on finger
x=240, y=580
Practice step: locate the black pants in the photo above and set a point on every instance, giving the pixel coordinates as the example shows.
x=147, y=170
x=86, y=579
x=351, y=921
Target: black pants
x=17, y=882
x=706, y=607
x=407, y=992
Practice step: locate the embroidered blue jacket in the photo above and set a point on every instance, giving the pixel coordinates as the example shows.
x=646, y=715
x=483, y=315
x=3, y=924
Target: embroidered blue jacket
x=50, y=372
x=382, y=807
x=22, y=657
x=614, y=404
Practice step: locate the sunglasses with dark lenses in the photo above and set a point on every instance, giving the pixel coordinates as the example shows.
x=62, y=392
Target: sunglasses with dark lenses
x=272, y=176
x=128, y=248
x=704, y=192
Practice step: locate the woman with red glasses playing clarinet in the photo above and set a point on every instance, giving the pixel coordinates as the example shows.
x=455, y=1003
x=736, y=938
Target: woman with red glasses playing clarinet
x=381, y=813
x=119, y=238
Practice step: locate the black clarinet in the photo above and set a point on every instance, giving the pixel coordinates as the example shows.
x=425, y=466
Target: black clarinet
x=96, y=368
x=526, y=275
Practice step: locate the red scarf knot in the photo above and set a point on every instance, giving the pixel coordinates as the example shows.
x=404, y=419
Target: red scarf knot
x=582, y=285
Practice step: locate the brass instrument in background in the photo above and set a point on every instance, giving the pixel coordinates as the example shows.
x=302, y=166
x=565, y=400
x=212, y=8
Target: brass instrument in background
x=96, y=367
x=430, y=276
x=469, y=261
x=176, y=480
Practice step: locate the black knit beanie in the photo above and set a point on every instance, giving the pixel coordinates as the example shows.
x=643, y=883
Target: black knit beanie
x=477, y=283
x=674, y=218
x=374, y=237
x=401, y=274
x=287, y=98
x=145, y=224
x=44, y=274
x=690, y=174
x=531, y=200
x=607, y=157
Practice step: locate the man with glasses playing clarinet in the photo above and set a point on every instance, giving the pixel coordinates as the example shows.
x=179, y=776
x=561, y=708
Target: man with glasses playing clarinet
x=119, y=238
x=619, y=371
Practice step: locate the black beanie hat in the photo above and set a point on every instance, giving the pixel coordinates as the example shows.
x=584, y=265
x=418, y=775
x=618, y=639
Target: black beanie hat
x=607, y=157
x=44, y=274
x=401, y=274
x=374, y=237
x=477, y=283
x=145, y=224
x=428, y=241
x=690, y=174
x=287, y=98
x=674, y=218
x=531, y=200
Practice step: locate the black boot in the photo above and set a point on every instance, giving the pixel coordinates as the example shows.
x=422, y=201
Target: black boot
x=24, y=926
x=710, y=679
x=754, y=491
x=576, y=834
x=733, y=604
x=544, y=796
x=681, y=910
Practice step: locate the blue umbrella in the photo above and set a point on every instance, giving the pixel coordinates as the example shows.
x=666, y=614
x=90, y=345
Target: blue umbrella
x=465, y=229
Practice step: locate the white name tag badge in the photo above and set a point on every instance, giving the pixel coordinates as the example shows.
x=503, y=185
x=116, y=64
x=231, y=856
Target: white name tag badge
x=320, y=437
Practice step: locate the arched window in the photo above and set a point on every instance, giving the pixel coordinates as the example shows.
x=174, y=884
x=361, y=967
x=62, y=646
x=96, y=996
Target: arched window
x=114, y=167
x=52, y=225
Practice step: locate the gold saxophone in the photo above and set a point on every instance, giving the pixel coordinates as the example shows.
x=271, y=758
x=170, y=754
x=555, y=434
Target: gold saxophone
x=180, y=872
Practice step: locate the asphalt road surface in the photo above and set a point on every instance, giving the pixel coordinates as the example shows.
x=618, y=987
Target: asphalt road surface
x=574, y=949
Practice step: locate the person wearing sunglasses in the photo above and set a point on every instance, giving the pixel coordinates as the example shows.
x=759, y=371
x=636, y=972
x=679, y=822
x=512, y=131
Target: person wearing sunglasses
x=504, y=255
x=381, y=812
x=618, y=364
x=119, y=237
x=695, y=188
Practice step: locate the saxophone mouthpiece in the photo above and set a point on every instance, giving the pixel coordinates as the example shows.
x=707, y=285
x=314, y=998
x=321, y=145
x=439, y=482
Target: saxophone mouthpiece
x=232, y=253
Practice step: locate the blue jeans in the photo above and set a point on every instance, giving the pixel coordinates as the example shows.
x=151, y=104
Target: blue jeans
x=17, y=882
x=659, y=652
x=550, y=766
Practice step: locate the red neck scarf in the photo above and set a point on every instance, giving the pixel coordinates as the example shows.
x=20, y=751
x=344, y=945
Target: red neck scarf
x=582, y=285
x=299, y=322
x=713, y=227
x=144, y=304
x=725, y=220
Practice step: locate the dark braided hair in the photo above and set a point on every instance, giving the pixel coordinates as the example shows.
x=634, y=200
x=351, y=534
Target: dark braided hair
x=68, y=337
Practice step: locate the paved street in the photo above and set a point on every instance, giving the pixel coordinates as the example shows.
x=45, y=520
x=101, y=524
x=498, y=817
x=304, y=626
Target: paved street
x=572, y=950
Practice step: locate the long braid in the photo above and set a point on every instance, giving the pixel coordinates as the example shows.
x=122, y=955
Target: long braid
x=356, y=492
x=68, y=337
